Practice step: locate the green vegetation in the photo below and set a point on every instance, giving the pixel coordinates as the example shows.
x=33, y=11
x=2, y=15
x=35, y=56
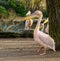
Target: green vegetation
x=11, y=9
x=22, y=6
x=19, y=7
x=3, y=11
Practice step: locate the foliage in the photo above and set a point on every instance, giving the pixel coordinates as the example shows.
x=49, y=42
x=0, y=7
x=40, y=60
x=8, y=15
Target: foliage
x=3, y=11
x=22, y=6
x=4, y=3
x=19, y=7
x=8, y=26
x=45, y=13
x=14, y=30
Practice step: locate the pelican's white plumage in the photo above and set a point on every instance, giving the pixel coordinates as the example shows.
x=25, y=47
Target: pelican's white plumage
x=45, y=40
x=28, y=23
x=41, y=38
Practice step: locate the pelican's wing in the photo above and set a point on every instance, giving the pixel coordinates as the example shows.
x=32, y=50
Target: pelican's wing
x=46, y=39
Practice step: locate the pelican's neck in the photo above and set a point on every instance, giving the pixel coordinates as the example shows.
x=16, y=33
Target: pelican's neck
x=38, y=24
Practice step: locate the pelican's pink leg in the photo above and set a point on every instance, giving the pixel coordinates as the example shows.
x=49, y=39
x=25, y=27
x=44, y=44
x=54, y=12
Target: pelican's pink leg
x=40, y=49
x=44, y=51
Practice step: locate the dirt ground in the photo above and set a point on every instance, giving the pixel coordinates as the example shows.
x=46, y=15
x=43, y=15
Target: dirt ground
x=24, y=49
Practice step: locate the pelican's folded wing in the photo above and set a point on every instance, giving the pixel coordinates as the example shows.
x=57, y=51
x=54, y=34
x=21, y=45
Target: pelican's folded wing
x=46, y=39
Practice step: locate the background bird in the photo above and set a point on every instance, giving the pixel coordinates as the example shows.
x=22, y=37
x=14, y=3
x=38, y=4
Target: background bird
x=28, y=23
x=44, y=40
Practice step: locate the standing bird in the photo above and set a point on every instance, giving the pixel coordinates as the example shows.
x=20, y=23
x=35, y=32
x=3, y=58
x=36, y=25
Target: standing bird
x=28, y=23
x=41, y=38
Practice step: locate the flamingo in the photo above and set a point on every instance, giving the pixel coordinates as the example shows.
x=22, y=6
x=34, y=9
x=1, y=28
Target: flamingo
x=44, y=40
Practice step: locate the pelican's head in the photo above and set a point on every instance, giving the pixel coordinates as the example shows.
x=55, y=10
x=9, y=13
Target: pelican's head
x=38, y=13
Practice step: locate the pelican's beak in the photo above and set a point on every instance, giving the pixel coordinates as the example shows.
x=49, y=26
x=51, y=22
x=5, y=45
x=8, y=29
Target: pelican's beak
x=31, y=17
x=46, y=21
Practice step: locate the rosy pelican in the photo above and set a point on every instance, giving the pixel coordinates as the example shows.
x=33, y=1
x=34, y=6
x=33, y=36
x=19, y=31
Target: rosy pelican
x=44, y=40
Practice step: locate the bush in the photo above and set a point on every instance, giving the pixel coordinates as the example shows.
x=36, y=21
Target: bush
x=19, y=7
x=3, y=11
x=45, y=13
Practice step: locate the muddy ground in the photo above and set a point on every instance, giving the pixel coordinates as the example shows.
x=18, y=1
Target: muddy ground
x=24, y=49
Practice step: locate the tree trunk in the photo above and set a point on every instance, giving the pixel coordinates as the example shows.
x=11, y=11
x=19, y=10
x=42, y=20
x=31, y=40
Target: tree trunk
x=53, y=7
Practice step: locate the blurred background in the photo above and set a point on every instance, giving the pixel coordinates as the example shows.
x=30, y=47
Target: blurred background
x=11, y=12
